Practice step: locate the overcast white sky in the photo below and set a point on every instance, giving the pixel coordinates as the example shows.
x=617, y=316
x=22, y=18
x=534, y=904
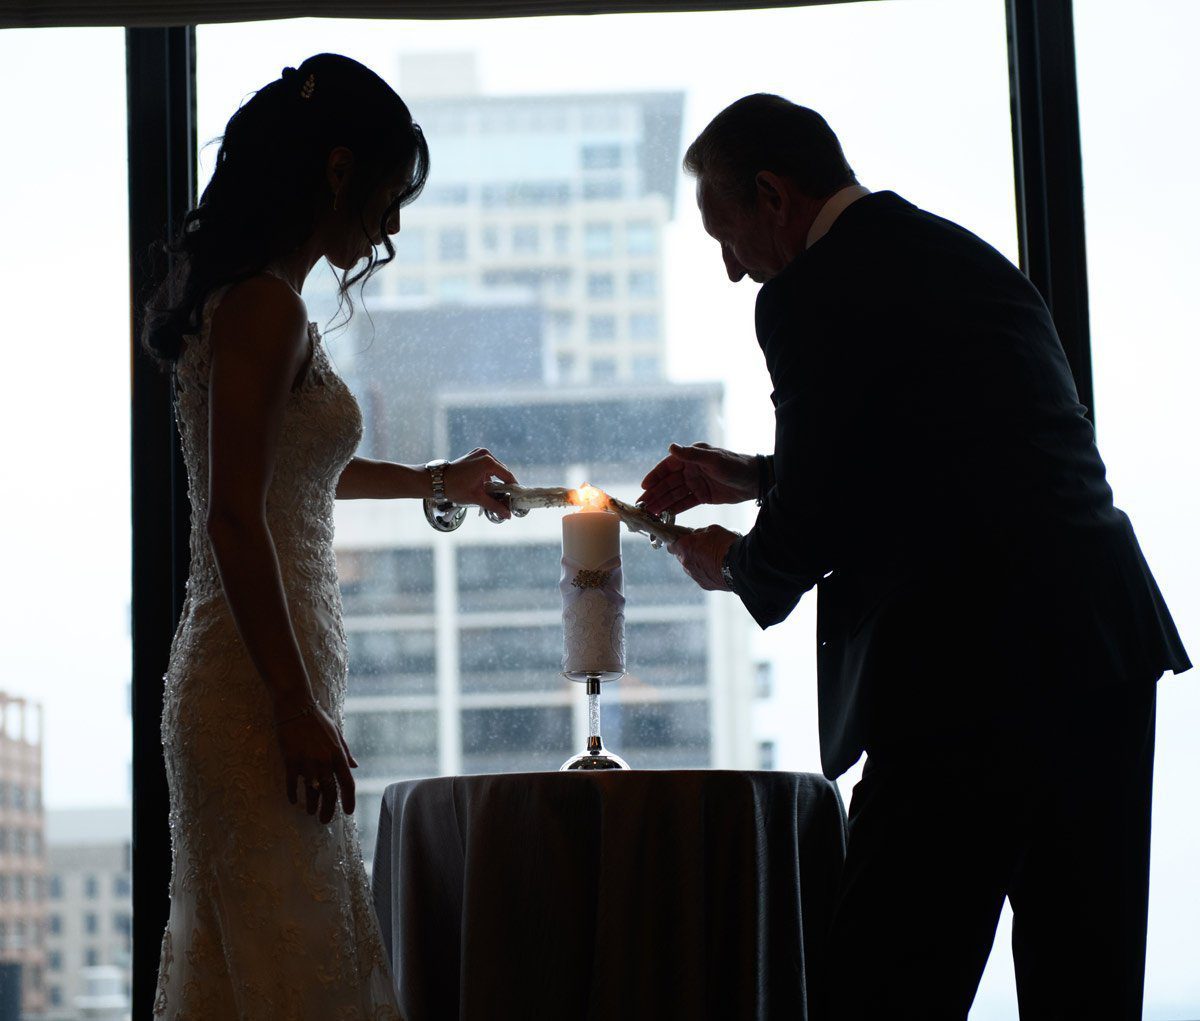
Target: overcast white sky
x=917, y=90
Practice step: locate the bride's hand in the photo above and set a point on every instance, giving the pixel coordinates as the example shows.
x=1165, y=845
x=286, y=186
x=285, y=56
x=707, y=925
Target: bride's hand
x=467, y=476
x=313, y=747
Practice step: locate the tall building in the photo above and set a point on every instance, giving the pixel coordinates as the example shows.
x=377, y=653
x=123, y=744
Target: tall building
x=561, y=198
x=89, y=913
x=525, y=313
x=22, y=850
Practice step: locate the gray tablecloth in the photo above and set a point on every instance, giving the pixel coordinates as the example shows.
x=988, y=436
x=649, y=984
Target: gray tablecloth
x=614, y=896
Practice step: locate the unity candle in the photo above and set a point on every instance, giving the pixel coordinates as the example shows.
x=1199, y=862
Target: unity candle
x=592, y=535
x=593, y=600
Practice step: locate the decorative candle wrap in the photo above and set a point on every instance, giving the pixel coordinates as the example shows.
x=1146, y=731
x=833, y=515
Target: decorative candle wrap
x=593, y=619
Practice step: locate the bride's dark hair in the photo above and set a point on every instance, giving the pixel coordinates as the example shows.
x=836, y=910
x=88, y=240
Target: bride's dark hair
x=269, y=184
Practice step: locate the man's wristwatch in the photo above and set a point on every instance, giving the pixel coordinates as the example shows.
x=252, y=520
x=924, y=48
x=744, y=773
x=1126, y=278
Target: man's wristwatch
x=437, y=472
x=726, y=570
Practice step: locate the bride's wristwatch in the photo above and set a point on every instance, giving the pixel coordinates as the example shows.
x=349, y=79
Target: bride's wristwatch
x=437, y=473
x=441, y=512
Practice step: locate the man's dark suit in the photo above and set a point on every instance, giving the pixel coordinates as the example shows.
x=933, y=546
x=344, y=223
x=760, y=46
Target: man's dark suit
x=983, y=608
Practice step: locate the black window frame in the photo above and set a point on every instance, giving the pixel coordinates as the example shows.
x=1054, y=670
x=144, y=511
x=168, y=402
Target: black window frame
x=161, y=96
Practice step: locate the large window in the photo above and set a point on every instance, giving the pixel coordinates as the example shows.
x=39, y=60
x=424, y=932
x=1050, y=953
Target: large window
x=560, y=303
x=64, y=445
x=1143, y=264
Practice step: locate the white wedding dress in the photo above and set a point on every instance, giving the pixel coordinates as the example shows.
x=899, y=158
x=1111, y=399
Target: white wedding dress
x=271, y=914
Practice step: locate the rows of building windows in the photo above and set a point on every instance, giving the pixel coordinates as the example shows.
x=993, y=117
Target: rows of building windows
x=625, y=429
x=640, y=326
x=517, y=576
x=414, y=245
x=601, y=157
x=403, y=661
x=393, y=662
x=647, y=367
x=508, y=195
x=507, y=738
x=640, y=283
x=527, y=194
x=120, y=924
x=19, y=887
x=652, y=735
x=399, y=743
x=20, y=933
x=386, y=580
x=58, y=997
x=605, y=326
x=662, y=654
x=121, y=886
x=522, y=576
x=20, y=841
x=504, y=739
x=537, y=117
x=599, y=287
x=20, y=797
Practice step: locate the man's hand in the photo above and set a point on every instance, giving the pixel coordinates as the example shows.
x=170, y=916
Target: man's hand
x=690, y=476
x=701, y=553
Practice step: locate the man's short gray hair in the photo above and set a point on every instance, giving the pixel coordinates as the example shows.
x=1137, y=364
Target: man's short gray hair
x=766, y=132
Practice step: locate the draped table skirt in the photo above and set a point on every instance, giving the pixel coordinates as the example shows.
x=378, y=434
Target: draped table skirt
x=609, y=895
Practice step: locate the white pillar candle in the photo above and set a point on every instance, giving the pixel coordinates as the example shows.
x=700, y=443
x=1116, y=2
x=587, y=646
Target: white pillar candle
x=591, y=537
x=593, y=601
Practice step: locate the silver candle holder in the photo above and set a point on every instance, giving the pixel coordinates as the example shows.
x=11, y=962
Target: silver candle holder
x=595, y=755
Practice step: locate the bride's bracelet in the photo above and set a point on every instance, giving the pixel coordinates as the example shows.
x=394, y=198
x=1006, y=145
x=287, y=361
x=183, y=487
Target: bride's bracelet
x=312, y=707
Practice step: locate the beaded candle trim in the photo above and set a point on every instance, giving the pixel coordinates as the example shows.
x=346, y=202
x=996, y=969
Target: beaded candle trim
x=591, y=579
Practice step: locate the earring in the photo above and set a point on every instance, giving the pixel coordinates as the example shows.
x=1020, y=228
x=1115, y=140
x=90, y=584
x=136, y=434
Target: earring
x=336, y=196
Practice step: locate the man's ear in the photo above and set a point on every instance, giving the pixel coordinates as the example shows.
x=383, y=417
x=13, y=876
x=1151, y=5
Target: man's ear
x=773, y=196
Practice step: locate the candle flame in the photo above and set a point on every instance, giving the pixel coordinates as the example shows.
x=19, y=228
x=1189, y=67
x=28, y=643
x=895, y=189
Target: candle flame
x=588, y=497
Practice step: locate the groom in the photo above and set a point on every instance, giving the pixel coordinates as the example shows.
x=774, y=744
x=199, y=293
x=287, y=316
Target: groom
x=988, y=630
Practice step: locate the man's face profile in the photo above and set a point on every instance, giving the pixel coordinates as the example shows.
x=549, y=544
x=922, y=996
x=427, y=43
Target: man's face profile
x=742, y=233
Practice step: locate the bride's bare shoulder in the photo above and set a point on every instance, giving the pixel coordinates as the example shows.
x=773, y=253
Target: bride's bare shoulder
x=261, y=313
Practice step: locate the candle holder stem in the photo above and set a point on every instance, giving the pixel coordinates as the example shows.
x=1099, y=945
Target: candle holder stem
x=596, y=756
x=593, y=699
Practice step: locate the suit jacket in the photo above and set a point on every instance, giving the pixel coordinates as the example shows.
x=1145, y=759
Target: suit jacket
x=936, y=478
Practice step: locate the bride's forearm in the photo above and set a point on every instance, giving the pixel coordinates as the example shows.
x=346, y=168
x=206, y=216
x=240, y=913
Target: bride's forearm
x=363, y=479
x=248, y=566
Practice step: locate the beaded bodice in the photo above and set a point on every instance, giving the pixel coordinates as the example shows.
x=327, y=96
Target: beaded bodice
x=321, y=429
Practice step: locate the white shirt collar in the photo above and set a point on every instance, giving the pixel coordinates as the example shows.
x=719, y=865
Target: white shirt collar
x=835, y=205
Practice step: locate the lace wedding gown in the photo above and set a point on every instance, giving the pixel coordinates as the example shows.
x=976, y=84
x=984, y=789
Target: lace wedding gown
x=271, y=914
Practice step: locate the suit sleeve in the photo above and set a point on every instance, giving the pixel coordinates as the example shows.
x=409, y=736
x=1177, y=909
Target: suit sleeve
x=797, y=536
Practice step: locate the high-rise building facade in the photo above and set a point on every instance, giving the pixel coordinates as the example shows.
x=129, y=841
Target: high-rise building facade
x=526, y=313
x=561, y=199
x=89, y=909
x=23, y=850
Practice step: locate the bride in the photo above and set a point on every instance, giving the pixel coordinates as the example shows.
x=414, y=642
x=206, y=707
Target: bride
x=271, y=916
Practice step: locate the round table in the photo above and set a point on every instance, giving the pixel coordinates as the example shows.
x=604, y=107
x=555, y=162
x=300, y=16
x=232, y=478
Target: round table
x=608, y=895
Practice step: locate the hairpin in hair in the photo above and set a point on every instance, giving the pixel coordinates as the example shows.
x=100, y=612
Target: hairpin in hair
x=310, y=84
